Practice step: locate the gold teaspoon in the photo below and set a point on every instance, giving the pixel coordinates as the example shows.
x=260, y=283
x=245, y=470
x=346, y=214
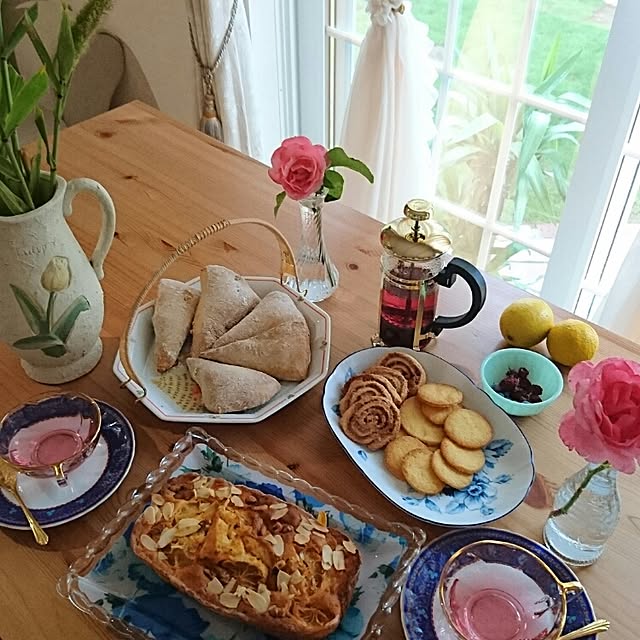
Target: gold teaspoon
x=8, y=480
x=597, y=626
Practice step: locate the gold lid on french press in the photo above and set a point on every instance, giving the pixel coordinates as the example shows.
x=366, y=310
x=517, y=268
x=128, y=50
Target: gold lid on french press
x=415, y=236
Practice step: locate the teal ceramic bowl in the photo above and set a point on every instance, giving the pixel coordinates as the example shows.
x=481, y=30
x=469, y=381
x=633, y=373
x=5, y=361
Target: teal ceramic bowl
x=541, y=371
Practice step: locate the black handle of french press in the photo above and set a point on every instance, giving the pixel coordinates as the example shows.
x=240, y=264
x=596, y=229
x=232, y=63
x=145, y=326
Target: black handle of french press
x=477, y=284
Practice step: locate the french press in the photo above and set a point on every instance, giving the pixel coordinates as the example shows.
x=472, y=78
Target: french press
x=417, y=261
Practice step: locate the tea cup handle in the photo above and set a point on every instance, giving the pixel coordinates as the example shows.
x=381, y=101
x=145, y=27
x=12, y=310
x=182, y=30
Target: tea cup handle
x=108, y=217
x=571, y=588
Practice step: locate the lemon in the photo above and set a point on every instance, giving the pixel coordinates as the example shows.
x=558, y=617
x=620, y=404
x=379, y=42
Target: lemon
x=572, y=341
x=525, y=323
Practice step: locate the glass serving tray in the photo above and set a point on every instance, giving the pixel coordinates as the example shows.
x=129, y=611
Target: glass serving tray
x=110, y=584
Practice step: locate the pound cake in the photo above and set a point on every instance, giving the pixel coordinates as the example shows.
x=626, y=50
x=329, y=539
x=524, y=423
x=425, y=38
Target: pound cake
x=248, y=555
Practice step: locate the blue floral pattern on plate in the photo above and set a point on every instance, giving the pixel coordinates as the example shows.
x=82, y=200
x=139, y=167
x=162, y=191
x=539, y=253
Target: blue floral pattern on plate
x=127, y=589
x=495, y=491
x=422, y=617
x=119, y=438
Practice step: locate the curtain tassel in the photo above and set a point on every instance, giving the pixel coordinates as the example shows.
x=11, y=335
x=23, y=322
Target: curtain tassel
x=210, y=122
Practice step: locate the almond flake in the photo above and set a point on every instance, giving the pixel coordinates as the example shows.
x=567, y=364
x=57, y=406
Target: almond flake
x=229, y=600
x=301, y=538
x=349, y=546
x=223, y=492
x=148, y=542
x=156, y=498
x=321, y=536
x=338, y=560
x=162, y=555
x=203, y=492
x=318, y=527
x=215, y=586
x=235, y=491
x=327, y=557
x=257, y=601
x=269, y=538
x=296, y=577
x=282, y=580
x=278, y=505
x=306, y=525
x=236, y=501
x=166, y=537
x=187, y=523
x=276, y=515
x=167, y=510
x=187, y=531
x=203, y=506
x=149, y=515
x=230, y=585
x=278, y=547
x=301, y=556
x=264, y=592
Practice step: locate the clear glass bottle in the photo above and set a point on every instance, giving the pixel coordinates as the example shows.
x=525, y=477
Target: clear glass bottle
x=317, y=274
x=579, y=536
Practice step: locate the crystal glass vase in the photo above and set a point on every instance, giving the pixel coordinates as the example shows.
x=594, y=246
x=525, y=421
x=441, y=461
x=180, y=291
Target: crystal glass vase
x=317, y=274
x=579, y=535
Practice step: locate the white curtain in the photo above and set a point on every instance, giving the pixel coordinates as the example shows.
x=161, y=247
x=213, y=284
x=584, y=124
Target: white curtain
x=236, y=101
x=620, y=310
x=389, y=119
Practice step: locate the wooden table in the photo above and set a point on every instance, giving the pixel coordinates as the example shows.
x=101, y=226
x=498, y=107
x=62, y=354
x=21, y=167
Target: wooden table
x=169, y=181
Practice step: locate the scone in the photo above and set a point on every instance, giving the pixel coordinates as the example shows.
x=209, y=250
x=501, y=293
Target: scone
x=249, y=556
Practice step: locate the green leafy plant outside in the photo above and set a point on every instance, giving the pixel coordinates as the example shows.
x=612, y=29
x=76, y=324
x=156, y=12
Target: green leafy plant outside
x=24, y=185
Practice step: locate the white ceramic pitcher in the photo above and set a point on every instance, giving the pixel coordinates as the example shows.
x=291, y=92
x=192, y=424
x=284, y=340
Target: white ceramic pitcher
x=51, y=301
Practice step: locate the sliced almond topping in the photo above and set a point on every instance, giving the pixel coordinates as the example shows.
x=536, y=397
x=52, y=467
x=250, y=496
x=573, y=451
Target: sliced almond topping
x=276, y=515
x=230, y=586
x=240, y=591
x=187, y=523
x=156, y=498
x=235, y=500
x=301, y=556
x=215, y=586
x=338, y=560
x=278, y=505
x=187, y=531
x=167, y=510
x=319, y=535
x=259, y=603
x=296, y=577
x=264, y=592
x=203, y=506
x=149, y=515
x=327, y=557
x=229, y=600
x=319, y=527
x=269, y=538
x=203, y=492
x=283, y=578
x=235, y=491
x=148, y=542
x=223, y=492
x=349, y=546
x=307, y=525
x=166, y=537
x=301, y=538
x=278, y=547
x=162, y=555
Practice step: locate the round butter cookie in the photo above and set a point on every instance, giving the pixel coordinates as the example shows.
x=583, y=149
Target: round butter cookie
x=408, y=366
x=437, y=415
x=398, y=381
x=397, y=449
x=417, y=425
x=439, y=395
x=450, y=476
x=464, y=460
x=468, y=429
x=418, y=472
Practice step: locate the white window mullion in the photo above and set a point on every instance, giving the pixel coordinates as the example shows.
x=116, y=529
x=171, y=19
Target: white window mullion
x=612, y=111
x=519, y=77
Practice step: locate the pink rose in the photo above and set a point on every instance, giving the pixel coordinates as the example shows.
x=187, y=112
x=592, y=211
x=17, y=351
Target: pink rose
x=298, y=166
x=605, y=422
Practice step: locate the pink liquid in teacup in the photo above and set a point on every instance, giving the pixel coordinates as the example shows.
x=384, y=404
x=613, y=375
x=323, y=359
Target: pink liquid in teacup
x=491, y=601
x=49, y=441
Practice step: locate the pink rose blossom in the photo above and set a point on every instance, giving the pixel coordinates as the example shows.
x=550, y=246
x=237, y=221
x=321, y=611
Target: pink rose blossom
x=298, y=166
x=604, y=424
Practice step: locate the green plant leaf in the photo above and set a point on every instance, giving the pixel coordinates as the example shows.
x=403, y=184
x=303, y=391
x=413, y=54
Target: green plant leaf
x=338, y=158
x=13, y=203
x=7, y=168
x=43, y=341
x=41, y=125
x=42, y=52
x=547, y=86
x=34, y=171
x=482, y=122
x=55, y=352
x=19, y=31
x=576, y=99
x=535, y=179
x=15, y=84
x=26, y=100
x=533, y=132
x=66, y=51
x=87, y=21
x=552, y=58
x=560, y=178
x=32, y=310
x=279, y=200
x=64, y=324
x=334, y=184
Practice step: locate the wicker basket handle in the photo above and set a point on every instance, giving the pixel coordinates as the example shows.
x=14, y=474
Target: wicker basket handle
x=287, y=268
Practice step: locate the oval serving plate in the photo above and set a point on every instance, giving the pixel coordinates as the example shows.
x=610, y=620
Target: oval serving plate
x=495, y=491
x=172, y=396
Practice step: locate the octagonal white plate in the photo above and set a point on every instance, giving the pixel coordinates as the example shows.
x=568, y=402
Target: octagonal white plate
x=496, y=490
x=166, y=408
